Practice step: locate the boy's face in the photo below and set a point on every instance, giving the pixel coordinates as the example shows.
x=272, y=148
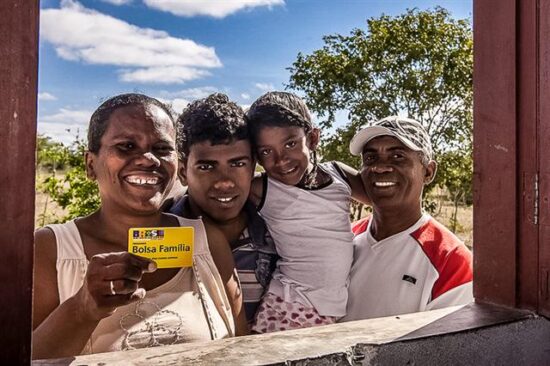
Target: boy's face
x=284, y=152
x=218, y=178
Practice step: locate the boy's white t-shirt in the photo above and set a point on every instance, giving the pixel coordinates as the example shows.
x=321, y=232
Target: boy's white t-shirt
x=312, y=234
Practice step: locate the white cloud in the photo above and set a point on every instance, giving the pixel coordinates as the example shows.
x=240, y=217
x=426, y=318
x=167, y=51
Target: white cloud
x=68, y=116
x=57, y=125
x=85, y=35
x=162, y=75
x=117, y=2
x=46, y=96
x=265, y=87
x=245, y=96
x=212, y=8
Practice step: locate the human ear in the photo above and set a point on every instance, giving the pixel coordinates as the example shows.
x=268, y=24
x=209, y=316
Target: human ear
x=430, y=171
x=182, y=171
x=313, y=138
x=89, y=162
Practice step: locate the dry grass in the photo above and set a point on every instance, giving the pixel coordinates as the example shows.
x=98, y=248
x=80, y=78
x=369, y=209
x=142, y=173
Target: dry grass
x=465, y=221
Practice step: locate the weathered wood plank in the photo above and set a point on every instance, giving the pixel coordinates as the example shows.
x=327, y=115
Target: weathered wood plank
x=544, y=155
x=527, y=66
x=495, y=151
x=18, y=93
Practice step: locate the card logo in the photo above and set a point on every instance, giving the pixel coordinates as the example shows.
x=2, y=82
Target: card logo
x=148, y=234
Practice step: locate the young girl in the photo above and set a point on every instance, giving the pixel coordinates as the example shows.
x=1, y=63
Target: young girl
x=306, y=208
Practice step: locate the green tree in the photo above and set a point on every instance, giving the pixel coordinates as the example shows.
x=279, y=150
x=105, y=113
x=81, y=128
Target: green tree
x=73, y=191
x=418, y=64
x=50, y=155
x=457, y=182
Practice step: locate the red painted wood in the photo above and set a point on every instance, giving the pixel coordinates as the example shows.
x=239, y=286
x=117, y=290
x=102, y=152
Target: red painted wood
x=544, y=161
x=527, y=67
x=18, y=90
x=495, y=152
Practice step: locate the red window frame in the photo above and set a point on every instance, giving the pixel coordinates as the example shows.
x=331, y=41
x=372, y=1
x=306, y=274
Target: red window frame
x=511, y=175
x=511, y=135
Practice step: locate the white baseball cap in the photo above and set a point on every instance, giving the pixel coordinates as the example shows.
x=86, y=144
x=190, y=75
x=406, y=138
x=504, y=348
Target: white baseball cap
x=410, y=132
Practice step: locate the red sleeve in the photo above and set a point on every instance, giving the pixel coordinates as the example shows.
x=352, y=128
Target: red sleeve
x=456, y=271
x=360, y=226
x=450, y=257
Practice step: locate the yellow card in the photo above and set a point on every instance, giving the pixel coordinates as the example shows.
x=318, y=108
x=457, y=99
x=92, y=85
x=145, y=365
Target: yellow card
x=169, y=247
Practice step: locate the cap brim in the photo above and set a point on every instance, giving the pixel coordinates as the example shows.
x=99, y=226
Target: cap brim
x=365, y=135
x=362, y=137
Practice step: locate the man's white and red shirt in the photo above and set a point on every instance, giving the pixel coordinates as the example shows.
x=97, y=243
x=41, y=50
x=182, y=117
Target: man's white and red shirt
x=424, y=267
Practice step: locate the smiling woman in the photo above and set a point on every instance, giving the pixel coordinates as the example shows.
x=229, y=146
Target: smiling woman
x=90, y=294
x=133, y=147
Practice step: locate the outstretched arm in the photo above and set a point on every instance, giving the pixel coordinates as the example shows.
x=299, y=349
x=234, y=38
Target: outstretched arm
x=62, y=330
x=47, y=313
x=354, y=178
x=223, y=259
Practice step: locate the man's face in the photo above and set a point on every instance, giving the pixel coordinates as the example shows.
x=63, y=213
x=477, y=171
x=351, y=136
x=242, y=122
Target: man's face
x=218, y=178
x=393, y=175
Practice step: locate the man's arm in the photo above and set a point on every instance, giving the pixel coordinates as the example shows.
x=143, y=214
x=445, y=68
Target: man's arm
x=356, y=184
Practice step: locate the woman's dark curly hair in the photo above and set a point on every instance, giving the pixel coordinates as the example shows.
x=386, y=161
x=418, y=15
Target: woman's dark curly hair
x=99, y=120
x=215, y=119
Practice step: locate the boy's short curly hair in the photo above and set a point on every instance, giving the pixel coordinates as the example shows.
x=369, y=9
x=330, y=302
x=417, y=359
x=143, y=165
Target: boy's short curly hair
x=278, y=109
x=99, y=120
x=215, y=119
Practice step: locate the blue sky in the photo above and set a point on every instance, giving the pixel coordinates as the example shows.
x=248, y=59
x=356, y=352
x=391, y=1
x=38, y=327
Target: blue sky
x=180, y=50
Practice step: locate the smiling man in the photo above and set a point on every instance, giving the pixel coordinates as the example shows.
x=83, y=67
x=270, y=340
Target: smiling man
x=404, y=260
x=217, y=166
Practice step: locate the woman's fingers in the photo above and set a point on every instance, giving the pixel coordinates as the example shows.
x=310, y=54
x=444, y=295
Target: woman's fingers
x=120, y=287
x=113, y=278
x=146, y=265
x=118, y=271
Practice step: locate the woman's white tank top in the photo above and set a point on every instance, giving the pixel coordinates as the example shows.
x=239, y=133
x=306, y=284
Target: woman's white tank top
x=190, y=307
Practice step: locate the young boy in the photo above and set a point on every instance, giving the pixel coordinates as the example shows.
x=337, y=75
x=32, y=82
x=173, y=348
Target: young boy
x=217, y=166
